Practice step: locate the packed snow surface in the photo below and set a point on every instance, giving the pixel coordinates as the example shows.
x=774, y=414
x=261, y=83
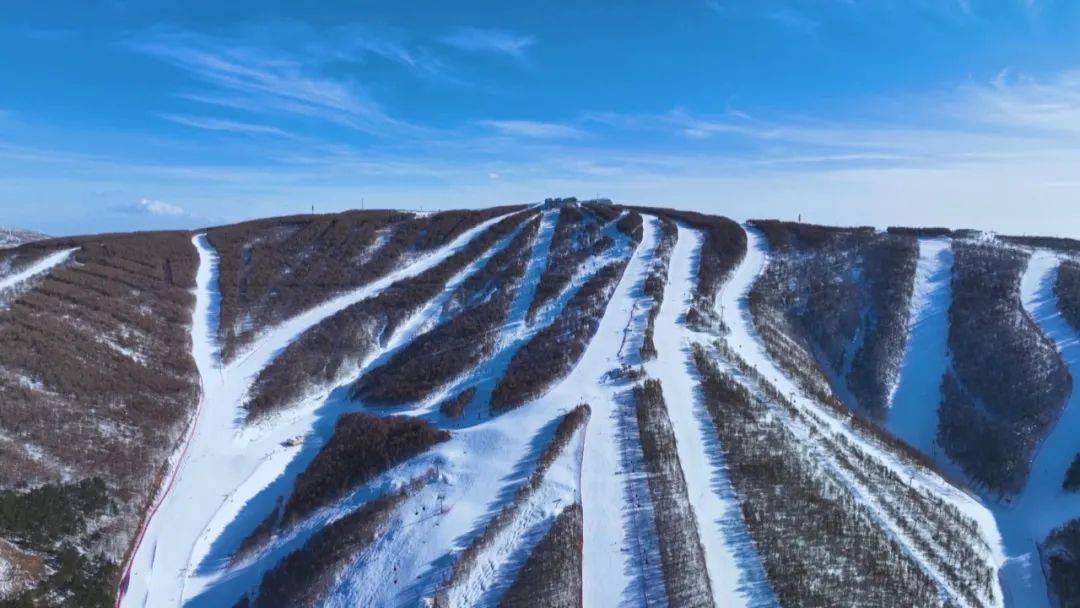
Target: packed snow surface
x=219, y=456
x=744, y=340
x=913, y=412
x=612, y=567
x=1042, y=505
x=43, y=265
x=736, y=575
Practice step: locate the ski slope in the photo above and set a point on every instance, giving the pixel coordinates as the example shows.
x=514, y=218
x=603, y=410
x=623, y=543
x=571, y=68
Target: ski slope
x=735, y=573
x=227, y=475
x=745, y=342
x=913, y=410
x=41, y=266
x=612, y=568
x=481, y=466
x=1042, y=505
x=218, y=456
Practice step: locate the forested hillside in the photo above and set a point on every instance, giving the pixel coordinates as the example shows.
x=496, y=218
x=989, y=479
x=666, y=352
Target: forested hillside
x=566, y=404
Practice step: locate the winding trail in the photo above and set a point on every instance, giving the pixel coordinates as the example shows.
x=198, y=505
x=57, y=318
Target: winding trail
x=43, y=265
x=219, y=455
x=744, y=340
x=1042, y=505
x=735, y=572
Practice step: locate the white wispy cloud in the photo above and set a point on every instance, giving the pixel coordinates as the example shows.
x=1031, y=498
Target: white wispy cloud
x=220, y=124
x=482, y=40
x=148, y=206
x=268, y=81
x=533, y=129
x=1047, y=106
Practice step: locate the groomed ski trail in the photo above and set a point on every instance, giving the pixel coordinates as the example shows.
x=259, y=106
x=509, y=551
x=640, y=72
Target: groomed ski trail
x=612, y=574
x=479, y=469
x=41, y=266
x=217, y=456
x=913, y=414
x=745, y=342
x=735, y=573
x=1042, y=505
x=314, y=417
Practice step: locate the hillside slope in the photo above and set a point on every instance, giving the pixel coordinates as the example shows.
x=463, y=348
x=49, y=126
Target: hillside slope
x=569, y=404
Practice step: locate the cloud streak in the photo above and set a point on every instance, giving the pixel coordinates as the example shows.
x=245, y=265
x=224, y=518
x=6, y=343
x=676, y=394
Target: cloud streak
x=268, y=81
x=533, y=129
x=229, y=126
x=479, y=40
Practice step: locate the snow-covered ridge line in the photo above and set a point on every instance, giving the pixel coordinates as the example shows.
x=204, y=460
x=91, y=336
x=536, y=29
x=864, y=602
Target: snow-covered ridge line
x=43, y=265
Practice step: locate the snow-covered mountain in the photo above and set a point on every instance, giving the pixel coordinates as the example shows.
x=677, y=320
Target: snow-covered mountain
x=13, y=237
x=566, y=404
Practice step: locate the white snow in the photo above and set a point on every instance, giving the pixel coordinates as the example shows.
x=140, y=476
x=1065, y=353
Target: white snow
x=226, y=476
x=611, y=570
x=1042, y=505
x=744, y=341
x=479, y=468
x=735, y=572
x=913, y=409
x=43, y=265
x=496, y=566
x=219, y=456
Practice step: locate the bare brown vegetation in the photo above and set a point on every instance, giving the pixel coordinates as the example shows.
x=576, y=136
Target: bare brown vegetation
x=438, y=356
x=576, y=238
x=1007, y=383
x=656, y=281
x=1067, y=290
x=844, y=294
x=96, y=382
x=816, y=540
x=362, y=447
x=556, y=349
x=271, y=269
x=339, y=343
x=723, y=248
x=551, y=578
x=682, y=558
x=1060, y=554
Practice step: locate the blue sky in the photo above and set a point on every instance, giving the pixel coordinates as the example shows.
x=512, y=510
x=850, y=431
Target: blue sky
x=949, y=112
